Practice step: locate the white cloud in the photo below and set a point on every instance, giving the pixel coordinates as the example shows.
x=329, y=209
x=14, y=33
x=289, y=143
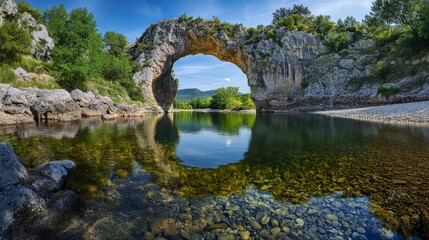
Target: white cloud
x=227, y=79
x=149, y=11
x=197, y=68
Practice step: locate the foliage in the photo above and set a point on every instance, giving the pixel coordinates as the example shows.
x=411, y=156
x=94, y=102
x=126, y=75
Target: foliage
x=397, y=12
x=201, y=103
x=381, y=70
x=350, y=24
x=247, y=102
x=388, y=89
x=25, y=7
x=423, y=23
x=230, y=98
x=117, y=69
x=181, y=104
x=115, y=43
x=78, y=51
x=223, y=96
x=283, y=13
x=184, y=17
x=323, y=25
x=14, y=41
x=336, y=41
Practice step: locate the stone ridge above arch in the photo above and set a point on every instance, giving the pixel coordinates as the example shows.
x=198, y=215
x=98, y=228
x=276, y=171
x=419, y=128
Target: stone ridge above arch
x=274, y=60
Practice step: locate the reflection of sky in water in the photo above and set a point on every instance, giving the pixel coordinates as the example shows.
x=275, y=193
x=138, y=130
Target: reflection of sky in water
x=210, y=149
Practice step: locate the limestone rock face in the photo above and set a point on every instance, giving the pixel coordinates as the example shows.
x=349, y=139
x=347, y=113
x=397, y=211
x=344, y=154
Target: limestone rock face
x=274, y=65
x=42, y=43
x=286, y=70
x=346, y=79
x=7, y=8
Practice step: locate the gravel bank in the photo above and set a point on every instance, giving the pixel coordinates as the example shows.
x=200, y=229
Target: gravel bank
x=417, y=112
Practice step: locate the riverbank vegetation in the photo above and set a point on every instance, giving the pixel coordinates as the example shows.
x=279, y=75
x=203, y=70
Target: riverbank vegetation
x=403, y=25
x=82, y=58
x=225, y=98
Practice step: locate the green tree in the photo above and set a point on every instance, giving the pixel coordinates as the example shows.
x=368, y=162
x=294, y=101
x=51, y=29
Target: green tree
x=79, y=47
x=336, y=41
x=423, y=23
x=283, y=13
x=247, y=102
x=279, y=14
x=201, y=103
x=350, y=24
x=300, y=10
x=397, y=12
x=14, y=41
x=323, y=25
x=116, y=69
x=181, y=104
x=115, y=43
x=223, y=96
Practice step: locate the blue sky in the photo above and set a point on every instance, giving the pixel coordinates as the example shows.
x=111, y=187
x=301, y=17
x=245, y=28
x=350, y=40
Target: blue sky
x=132, y=17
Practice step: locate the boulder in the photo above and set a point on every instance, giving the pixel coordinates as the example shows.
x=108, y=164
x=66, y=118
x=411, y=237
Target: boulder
x=56, y=105
x=14, y=106
x=26, y=208
x=11, y=169
x=21, y=74
x=56, y=170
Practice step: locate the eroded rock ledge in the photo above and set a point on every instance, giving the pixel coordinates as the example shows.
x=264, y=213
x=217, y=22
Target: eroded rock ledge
x=34, y=201
x=35, y=105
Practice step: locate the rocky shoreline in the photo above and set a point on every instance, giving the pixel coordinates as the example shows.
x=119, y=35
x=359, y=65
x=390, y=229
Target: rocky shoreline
x=32, y=105
x=34, y=201
x=404, y=113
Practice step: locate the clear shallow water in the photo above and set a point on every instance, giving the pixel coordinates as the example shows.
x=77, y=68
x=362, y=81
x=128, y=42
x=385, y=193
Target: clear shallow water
x=218, y=175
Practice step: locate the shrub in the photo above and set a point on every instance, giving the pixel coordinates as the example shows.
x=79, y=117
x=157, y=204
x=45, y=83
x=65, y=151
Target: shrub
x=14, y=41
x=381, y=70
x=271, y=33
x=388, y=89
x=336, y=41
x=181, y=104
x=25, y=7
x=183, y=17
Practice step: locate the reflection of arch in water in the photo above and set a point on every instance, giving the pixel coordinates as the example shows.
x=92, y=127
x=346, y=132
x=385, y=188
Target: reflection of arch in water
x=298, y=157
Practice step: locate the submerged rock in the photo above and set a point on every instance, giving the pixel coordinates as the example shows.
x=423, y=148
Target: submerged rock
x=31, y=202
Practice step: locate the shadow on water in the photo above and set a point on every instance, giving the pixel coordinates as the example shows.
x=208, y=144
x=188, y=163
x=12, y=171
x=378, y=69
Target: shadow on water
x=310, y=176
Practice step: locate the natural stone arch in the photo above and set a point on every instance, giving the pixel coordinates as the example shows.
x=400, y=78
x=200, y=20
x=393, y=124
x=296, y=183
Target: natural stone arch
x=274, y=64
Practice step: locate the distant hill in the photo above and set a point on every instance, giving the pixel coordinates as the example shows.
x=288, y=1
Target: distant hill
x=191, y=93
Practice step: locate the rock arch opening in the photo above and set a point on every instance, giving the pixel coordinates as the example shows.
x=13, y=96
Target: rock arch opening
x=274, y=71
x=205, y=72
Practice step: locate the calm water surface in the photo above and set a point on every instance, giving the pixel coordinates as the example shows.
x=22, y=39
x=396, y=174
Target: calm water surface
x=240, y=176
